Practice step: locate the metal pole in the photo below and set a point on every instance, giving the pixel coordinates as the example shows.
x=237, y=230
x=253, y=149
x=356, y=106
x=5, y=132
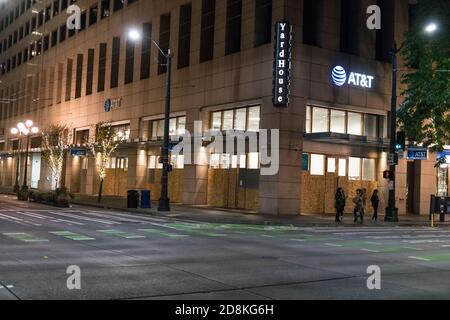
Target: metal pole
x=391, y=210
x=25, y=186
x=164, y=200
x=16, y=186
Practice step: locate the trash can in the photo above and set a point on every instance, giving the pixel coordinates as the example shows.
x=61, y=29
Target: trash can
x=132, y=199
x=146, y=199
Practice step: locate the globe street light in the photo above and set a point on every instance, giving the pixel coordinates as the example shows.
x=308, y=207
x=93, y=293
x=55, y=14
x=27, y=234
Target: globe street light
x=24, y=129
x=164, y=201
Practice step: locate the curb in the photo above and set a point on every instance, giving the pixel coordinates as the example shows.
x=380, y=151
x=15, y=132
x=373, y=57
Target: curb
x=261, y=222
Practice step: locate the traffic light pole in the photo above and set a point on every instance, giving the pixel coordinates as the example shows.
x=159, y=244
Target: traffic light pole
x=164, y=201
x=391, y=211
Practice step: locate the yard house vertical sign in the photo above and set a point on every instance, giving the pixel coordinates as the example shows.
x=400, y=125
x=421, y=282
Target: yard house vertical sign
x=282, y=63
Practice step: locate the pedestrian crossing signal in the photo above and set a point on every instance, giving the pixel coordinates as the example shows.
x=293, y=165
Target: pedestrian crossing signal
x=386, y=174
x=400, y=142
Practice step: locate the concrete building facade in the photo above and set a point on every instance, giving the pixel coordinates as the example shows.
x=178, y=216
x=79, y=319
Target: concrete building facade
x=331, y=134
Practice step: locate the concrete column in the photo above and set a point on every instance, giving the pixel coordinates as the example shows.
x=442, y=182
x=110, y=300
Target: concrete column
x=137, y=163
x=195, y=184
x=280, y=194
x=425, y=173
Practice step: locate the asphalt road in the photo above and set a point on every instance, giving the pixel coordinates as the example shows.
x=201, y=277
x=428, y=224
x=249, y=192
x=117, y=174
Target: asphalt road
x=131, y=256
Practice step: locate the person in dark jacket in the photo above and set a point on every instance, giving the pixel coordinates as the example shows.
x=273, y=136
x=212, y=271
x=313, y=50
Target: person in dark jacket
x=339, y=204
x=375, y=199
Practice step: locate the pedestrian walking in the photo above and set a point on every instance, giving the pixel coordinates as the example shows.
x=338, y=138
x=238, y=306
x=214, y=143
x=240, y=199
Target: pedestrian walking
x=339, y=204
x=375, y=200
x=358, y=201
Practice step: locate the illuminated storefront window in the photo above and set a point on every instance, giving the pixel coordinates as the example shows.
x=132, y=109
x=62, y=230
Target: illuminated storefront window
x=317, y=165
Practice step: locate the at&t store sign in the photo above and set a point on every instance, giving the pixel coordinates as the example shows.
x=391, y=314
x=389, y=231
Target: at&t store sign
x=341, y=77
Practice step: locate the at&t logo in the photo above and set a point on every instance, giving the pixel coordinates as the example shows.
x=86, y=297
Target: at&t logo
x=339, y=78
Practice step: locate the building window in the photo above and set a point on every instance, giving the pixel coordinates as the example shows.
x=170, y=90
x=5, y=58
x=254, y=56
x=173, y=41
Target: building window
x=101, y=67
x=319, y=120
x=253, y=160
x=312, y=22
x=146, y=50
x=105, y=8
x=81, y=137
x=129, y=61
x=233, y=27
x=354, y=168
x=62, y=33
x=368, y=169
x=55, y=8
x=90, y=71
x=54, y=40
x=93, y=14
x=342, y=168
x=177, y=127
x=354, y=125
x=118, y=4
x=337, y=121
x=164, y=40
x=317, y=165
x=207, y=30
x=79, y=75
x=308, y=119
x=115, y=60
x=263, y=22
x=350, y=20
x=237, y=119
x=184, y=36
x=331, y=165
x=122, y=132
x=370, y=125
x=240, y=119
x=82, y=21
x=69, y=79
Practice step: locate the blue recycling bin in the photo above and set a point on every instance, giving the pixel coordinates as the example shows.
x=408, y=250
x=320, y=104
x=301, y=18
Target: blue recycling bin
x=146, y=199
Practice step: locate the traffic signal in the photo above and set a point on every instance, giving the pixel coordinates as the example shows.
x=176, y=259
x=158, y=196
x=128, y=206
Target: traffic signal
x=386, y=174
x=400, y=141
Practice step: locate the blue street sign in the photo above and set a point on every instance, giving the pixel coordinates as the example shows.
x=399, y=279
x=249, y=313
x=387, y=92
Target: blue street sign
x=417, y=154
x=108, y=105
x=77, y=152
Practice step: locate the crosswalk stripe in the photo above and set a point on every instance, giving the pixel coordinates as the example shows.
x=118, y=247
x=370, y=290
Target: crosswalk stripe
x=121, y=234
x=72, y=235
x=419, y=258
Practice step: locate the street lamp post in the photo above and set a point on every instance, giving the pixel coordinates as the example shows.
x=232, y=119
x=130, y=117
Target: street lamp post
x=391, y=211
x=16, y=185
x=24, y=129
x=164, y=201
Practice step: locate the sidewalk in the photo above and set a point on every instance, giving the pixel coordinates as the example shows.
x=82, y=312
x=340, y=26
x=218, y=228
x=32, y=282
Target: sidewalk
x=222, y=215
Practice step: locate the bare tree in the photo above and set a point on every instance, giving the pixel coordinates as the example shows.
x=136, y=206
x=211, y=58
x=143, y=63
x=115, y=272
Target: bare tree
x=56, y=140
x=102, y=146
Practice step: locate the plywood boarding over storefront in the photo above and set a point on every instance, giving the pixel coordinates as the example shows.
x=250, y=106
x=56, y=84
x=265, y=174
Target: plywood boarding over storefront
x=318, y=192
